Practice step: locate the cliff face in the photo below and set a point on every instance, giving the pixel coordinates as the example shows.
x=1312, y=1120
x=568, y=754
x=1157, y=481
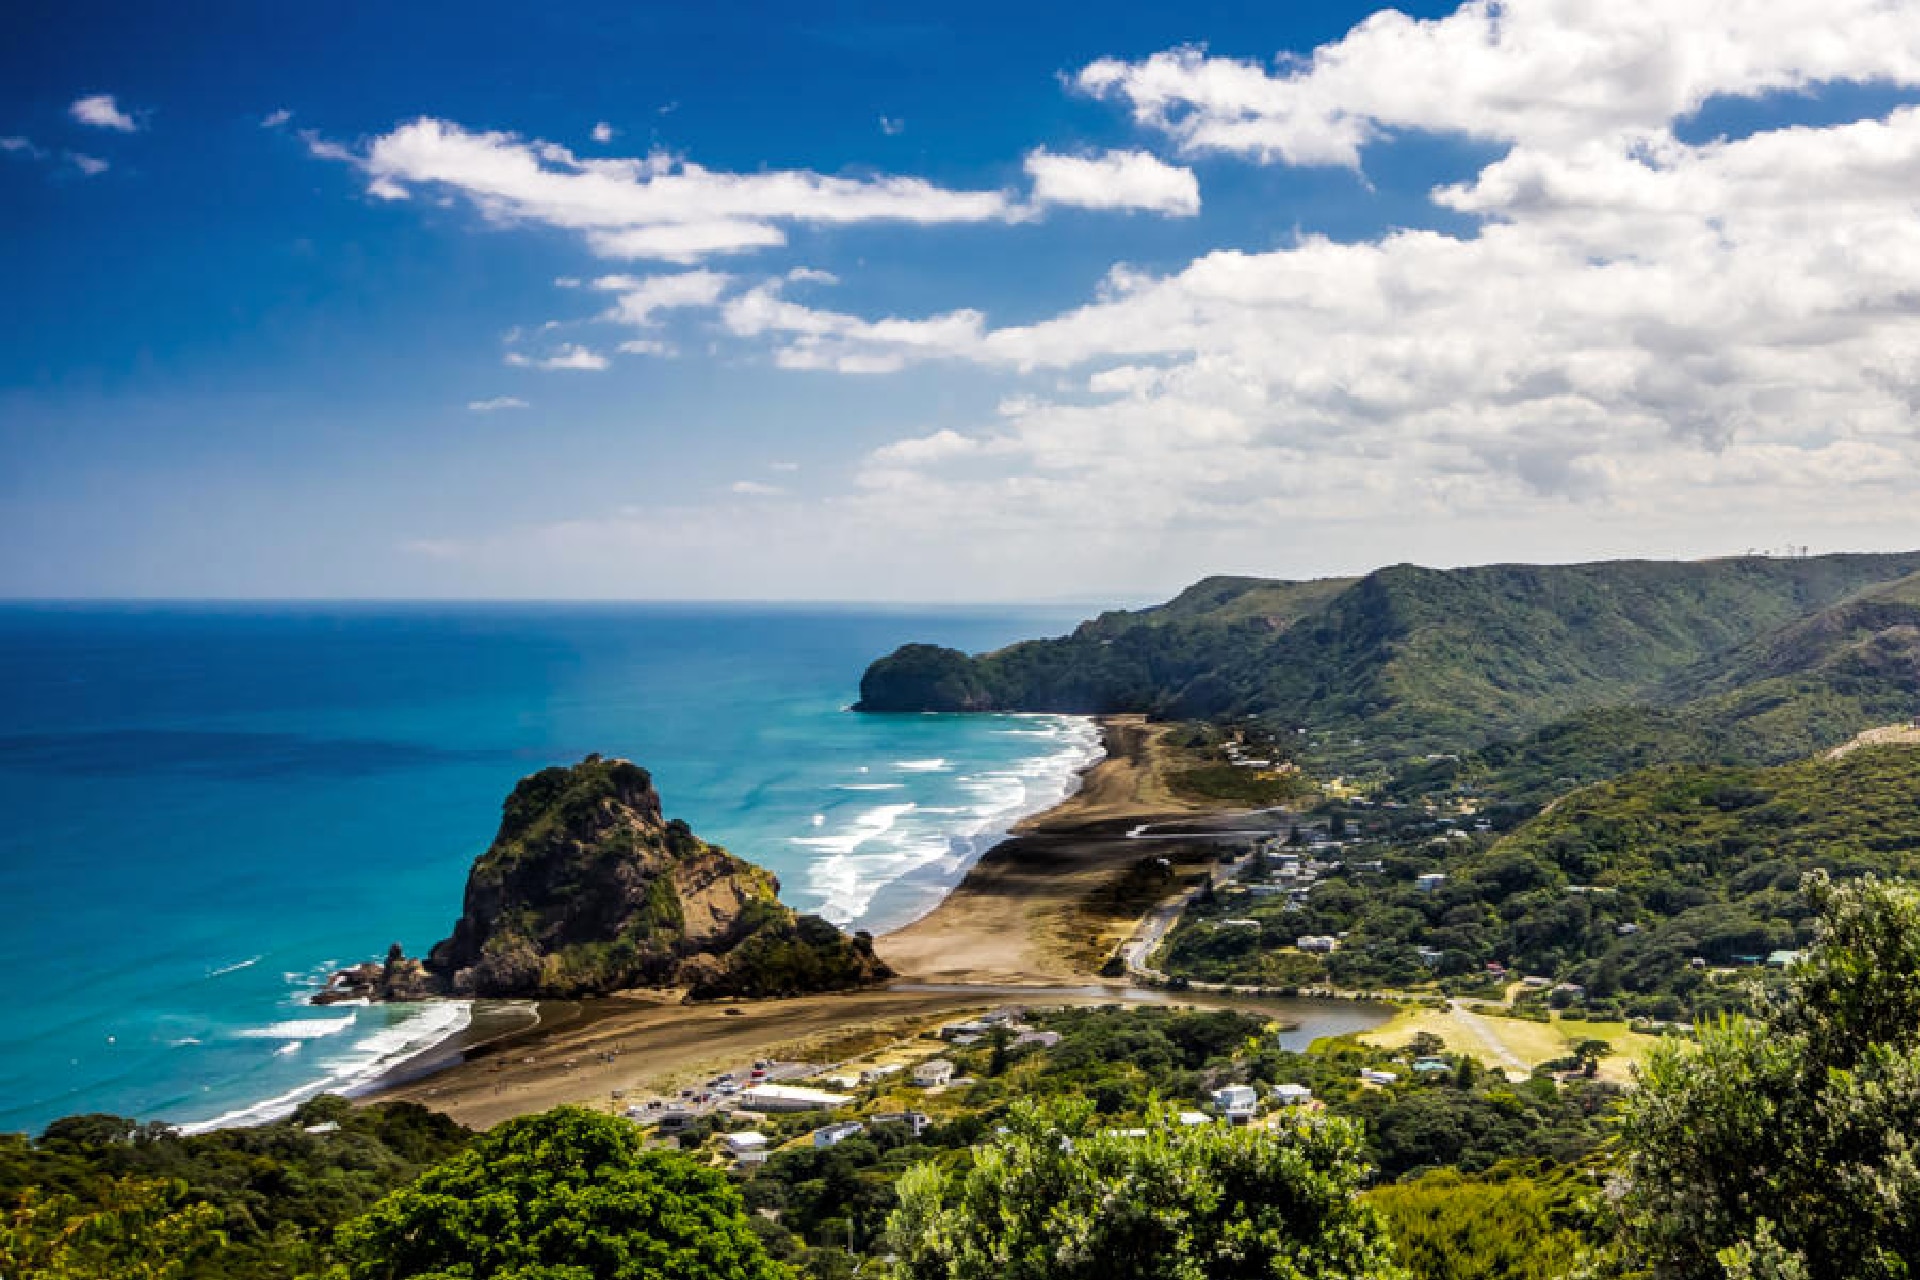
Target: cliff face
x=587, y=889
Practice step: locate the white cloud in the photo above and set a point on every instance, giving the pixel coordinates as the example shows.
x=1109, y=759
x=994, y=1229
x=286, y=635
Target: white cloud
x=646, y=347
x=783, y=466
x=102, y=112
x=892, y=126
x=1544, y=72
x=91, y=166
x=568, y=355
x=276, y=119
x=755, y=489
x=21, y=146
x=657, y=206
x=496, y=404
x=1113, y=180
x=642, y=299
x=1671, y=339
x=603, y=132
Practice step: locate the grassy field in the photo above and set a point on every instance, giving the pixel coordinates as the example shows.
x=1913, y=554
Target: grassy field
x=1527, y=1044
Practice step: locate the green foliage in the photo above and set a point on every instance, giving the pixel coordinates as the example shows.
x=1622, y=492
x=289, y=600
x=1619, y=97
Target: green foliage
x=1056, y=1196
x=1514, y=1226
x=273, y=1193
x=565, y=1195
x=129, y=1229
x=1784, y=1149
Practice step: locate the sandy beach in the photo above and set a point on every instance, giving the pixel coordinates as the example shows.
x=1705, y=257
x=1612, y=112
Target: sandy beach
x=1035, y=918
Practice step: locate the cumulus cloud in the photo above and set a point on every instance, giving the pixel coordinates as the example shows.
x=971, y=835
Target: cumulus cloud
x=21, y=147
x=657, y=206
x=1113, y=180
x=569, y=355
x=102, y=112
x=603, y=132
x=90, y=166
x=755, y=489
x=892, y=126
x=642, y=299
x=1545, y=72
x=1636, y=327
x=496, y=404
x=275, y=119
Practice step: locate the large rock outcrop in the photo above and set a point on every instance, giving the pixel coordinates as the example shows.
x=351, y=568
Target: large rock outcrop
x=587, y=889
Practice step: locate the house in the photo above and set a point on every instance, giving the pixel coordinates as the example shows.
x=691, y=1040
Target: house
x=1626, y=928
x=873, y=1075
x=1237, y=1102
x=1045, y=1039
x=1370, y=1076
x=782, y=1097
x=832, y=1135
x=1192, y=1118
x=672, y=1119
x=975, y=1027
x=1292, y=1095
x=1431, y=1066
x=914, y=1121
x=1430, y=882
x=1318, y=943
x=1781, y=959
x=933, y=1073
x=747, y=1148
x=1430, y=956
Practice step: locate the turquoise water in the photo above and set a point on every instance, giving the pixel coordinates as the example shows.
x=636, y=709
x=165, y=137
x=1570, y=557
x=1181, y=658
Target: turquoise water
x=208, y=808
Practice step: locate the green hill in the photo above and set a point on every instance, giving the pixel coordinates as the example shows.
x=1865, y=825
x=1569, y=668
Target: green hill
x=1409, y=661
x=1618, y=888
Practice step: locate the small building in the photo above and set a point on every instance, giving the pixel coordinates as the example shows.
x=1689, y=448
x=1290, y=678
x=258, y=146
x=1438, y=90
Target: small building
x=975, y=1027
x=873, y=1075
x=747, y=1148
x=933, y=1073
x=1626, y=928
x=832, y=1135
x=1191, y=1119
x=1781, y=959
x=1431, y=1066
x=1430, y=956
x=1320, y=944
x=914, y=1121
x=671, y=1119
x=1383, y=1078
x=1430, y=882
x=1292, y=1095
x=1045, y=1039
x=1237, y=1102
x=784, y=1097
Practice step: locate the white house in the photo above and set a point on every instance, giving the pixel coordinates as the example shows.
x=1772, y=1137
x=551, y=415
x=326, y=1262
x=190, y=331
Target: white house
x=1430, y=882
x=832, y=1135
x=1292, y=1095
x=747, y=1148
x=1379, y=1077
x=784, y=1097
x=915, y=1121
x=1237, y=1102
x=933, y=1073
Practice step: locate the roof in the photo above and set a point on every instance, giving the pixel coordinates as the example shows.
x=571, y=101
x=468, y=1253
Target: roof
x=793, y=1093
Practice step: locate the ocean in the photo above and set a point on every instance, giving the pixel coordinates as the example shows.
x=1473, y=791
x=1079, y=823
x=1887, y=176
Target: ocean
x=205, y=809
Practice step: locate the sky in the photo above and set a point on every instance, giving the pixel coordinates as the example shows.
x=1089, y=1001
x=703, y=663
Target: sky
x=945, y=303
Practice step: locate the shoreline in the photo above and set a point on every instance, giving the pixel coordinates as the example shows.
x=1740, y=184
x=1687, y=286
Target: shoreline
x=1034, y=917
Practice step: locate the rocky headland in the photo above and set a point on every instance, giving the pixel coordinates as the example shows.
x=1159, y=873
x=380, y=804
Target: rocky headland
x=587, y=889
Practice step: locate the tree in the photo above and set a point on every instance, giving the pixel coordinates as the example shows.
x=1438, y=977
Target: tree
x=1784, y=1149
x=136, y=1229
x=1054, y=1198
x=565, y=1195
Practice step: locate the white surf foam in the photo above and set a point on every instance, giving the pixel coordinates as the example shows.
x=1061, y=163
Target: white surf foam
x=353, y=1069
x=932, y=845
x=248, y=963
x=298, y=1029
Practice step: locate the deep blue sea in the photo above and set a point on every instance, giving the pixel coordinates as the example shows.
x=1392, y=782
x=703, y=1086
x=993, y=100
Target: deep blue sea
x=204, y=809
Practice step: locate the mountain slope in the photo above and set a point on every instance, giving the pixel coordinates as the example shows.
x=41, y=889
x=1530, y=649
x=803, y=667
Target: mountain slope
x=1402, y=662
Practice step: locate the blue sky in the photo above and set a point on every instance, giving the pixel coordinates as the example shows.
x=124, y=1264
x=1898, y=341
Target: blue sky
x=1140, y=301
